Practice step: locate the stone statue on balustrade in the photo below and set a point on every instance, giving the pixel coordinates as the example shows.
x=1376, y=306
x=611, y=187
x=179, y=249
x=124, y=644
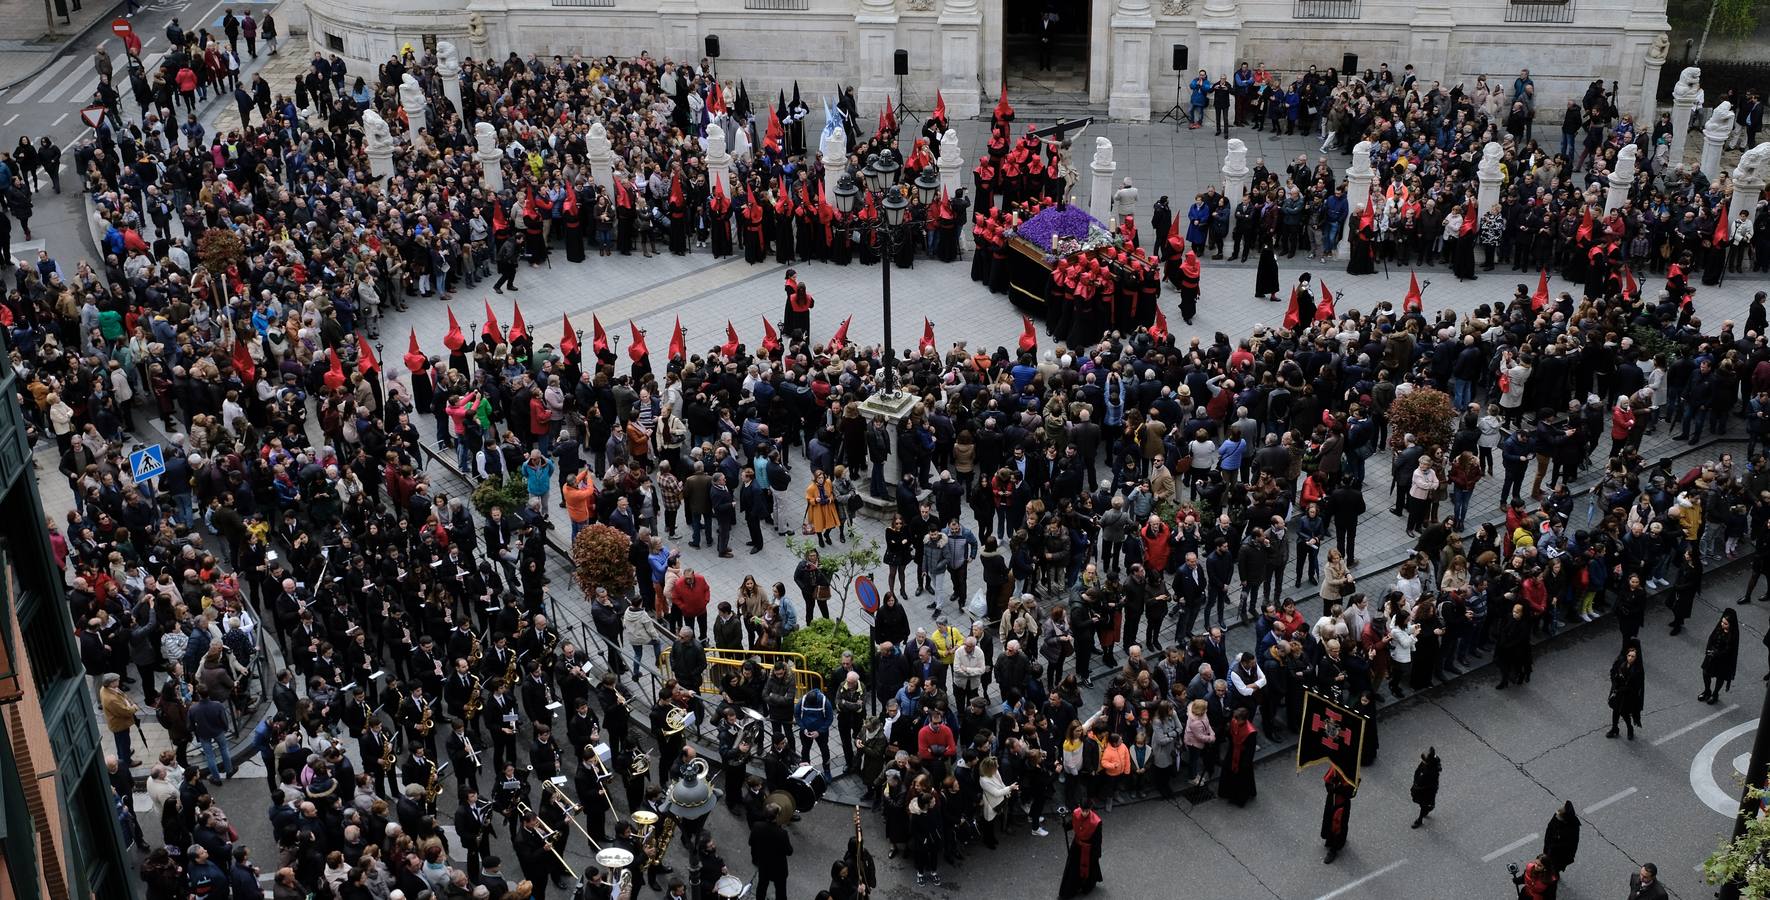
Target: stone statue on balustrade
x=377, y=137
x=1689, y=85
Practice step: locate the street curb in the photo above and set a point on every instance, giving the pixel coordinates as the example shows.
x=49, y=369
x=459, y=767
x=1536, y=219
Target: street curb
x=63, y=46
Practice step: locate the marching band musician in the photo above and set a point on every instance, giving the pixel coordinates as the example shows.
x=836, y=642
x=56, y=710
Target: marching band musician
x=574, y=684
x=537, y=693
x=733, y=754
x=352, y=711
x=615, y=716
x=633, y=777
x=592, y=795
x=533, y=856
x=501, y=713
x=461, y=640
x=559, y=820
x=512, y=789
x=458, y=690
x=474, y=824
x=544, y=752
x=628, y=838
x=497, y=659
x=413, y=716
x=462, y=749
x=425, y=666
x=669, y=744
x=418, y=767
x=712, y=865
x=359, y=661
x=582, y=728
x=541, y=642
x=375, y=745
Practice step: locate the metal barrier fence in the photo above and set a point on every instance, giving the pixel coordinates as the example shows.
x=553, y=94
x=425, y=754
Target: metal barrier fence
x=721, y=662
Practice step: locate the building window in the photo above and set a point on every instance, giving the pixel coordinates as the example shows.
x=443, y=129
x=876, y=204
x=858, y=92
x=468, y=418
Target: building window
x=1325, y=9
x=334, y=43
x=777, y=4
x=1542, y=12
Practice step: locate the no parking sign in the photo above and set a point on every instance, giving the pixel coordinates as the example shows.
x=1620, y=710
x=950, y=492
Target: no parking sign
x=868, y=593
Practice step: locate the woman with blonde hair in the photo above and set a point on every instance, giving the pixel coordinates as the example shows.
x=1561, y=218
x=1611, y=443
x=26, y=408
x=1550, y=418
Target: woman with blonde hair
x=1197, y=738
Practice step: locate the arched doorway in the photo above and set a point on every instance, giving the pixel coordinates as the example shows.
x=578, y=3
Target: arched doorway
x=1045, y=47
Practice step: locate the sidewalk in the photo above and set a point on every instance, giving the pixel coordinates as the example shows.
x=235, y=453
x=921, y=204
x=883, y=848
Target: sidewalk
x=29, y=43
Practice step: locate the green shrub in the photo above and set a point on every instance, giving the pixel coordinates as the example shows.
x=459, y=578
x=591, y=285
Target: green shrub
x=599, y=559
x=512, y=493
x=822, y=643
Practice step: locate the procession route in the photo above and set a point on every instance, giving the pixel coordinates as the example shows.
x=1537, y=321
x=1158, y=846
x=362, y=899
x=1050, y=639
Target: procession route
x=1510, y=847
x=1694, y=725
x=1330, y=895
x=1702, y=774
x=1613, y=798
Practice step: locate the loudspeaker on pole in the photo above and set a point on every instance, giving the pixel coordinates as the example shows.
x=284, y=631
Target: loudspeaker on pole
x=712, y=46
x=1179, y=57
x=900, y=62
x=1349, y=64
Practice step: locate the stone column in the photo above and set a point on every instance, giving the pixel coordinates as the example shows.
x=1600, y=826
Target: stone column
x=1219, y=36
x=378, y=145
x=952, y=177
x=1133, y=27
x=1359, y=177
x=1488, y=180
x=678, y=21
x=1100, y=187
x=834, y=148
x=1620, y=179
x=1235, y=170
x=961, y=30
x=1656, y=60
x=718, y=160
x=1749, y=178
x=1429, y=39
x=876, y=24
x=1683, y=101
x=600, y=153
x=1714, y=136
x=448, y=71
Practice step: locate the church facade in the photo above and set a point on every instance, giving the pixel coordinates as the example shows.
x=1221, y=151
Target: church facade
x=1119, y=54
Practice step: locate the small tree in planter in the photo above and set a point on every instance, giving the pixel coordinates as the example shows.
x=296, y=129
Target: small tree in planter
x=861, y=558
x=219, y=250
x=599, y=559
x=1424, y=413
x=822, y=643
x=512, y=493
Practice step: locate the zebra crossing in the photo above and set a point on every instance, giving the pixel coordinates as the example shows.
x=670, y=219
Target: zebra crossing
x=60, y=84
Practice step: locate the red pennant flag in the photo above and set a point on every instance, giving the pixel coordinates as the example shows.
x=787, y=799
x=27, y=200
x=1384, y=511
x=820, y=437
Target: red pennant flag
x=365, y=356
x=1029, y=339
x=1324, y=309
x=1413, y=302
x=927, y=342
x=490, y=329
x=1292, y=315
x=730, y=347
x=414, y=358
x=518, y=328
x=840, y=338
x=1159, y=331
x=500, y=224
x=1722, y=226
x=568, y=343
x=242, y=356
x=598, y=337
x=637, y=350
x=939, y=107
x=771, y=339
x=678, y=343
x=890, y=118
x=454, y=339
x=1541, y=298
x=334, y=377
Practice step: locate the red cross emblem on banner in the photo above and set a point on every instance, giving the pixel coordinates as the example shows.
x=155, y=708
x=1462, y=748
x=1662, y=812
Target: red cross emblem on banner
x=1329, y=727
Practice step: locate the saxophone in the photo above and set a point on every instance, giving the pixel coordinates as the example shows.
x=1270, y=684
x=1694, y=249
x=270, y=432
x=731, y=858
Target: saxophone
x=510, y=671
x=657, y=843
x=424, y=724
x=471, y=710
x=432, y=789
x=474, y=655
x=388, y=756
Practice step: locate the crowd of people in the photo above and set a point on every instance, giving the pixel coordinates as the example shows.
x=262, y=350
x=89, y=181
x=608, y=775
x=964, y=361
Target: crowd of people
x=1115, y=499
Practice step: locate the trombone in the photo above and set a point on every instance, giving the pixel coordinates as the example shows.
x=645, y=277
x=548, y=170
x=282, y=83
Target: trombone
x=547, y=833
x=567, y=806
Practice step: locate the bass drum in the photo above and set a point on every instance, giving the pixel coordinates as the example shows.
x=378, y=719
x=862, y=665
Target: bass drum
x=807, y=785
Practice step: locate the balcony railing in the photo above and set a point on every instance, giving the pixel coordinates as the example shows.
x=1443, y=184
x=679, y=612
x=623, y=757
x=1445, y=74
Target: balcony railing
x=1325, y=9
x=777, y=4
x=584, y=3
x=1540, y=12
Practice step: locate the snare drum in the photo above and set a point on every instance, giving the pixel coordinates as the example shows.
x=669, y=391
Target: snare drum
x=807, y=785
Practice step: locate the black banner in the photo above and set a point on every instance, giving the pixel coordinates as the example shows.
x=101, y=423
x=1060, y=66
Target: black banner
x=1331, y=733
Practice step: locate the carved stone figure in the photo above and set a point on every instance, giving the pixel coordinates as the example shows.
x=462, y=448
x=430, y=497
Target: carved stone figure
x=921, y=5
x=1361, y=159
x=1689, y=84
x=1102, y=153
x=411, y=95
x=949, y=150
x=1489, y=169
x=1176, y=7
x=476, y=27
x=715, y=145
x=1754, y=166
x=486, y=137
x=1656, y=52
x=377, y=137
x=448, y=59
x=1720, y=123
x=1235, y=158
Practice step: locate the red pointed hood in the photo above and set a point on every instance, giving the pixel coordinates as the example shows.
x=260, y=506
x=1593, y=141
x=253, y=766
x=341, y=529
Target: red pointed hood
x=1003, y=110
x=1722, y=225
x=1324, y=308
x=716, y=100
x=1190, y=265
x=1029, y=338
x=771, y=339
x=636, y=350
x=1541, y=298
x=1159, y=331
x=677, y=197
x=518, y=328
x=568, y=342
x=1414, y=301
x=334, y=377
x=730, y=347
x=1293, y=316
x=939, y=108
x=242, y=358
x=571, y=201
x=454, y=340
x=840, y=338
x=365, y=356
x=598, y=337
x=771, y=137
x=500, y=224
x=490, y=329
x=927, y=342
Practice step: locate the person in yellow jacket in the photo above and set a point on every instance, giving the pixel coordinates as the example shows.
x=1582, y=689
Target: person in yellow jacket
x=947, y=640
x=119, y=716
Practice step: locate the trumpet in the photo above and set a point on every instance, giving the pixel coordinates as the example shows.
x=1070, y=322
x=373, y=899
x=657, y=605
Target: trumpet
x=548, y=834
x=467, y=741
x=571, y=809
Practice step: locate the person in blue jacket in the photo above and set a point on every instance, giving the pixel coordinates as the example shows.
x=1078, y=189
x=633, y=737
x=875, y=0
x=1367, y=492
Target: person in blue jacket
x=1201, y=92
x=814, y=715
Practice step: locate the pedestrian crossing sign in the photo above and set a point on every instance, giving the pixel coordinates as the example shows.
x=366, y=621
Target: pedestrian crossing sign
x=92, y=115
x=147, y=462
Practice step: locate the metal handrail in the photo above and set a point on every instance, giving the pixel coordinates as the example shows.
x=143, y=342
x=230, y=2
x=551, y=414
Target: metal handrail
x=719, y=661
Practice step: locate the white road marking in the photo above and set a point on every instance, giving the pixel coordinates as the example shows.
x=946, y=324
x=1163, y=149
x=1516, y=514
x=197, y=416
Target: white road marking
x=1510, y=847
x=1372, y=876
x=47, y=77
x=10, y=121
x=71, y=82
x=1702, y=776
x=1672, y=736
x=1613, y=798
x=58, y=120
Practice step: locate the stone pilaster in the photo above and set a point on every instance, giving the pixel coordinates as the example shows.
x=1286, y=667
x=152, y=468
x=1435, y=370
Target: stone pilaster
x=961, y=30
x=1219, y=36
x=1133, y=28
x=1102, y=169
x=876, y=27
